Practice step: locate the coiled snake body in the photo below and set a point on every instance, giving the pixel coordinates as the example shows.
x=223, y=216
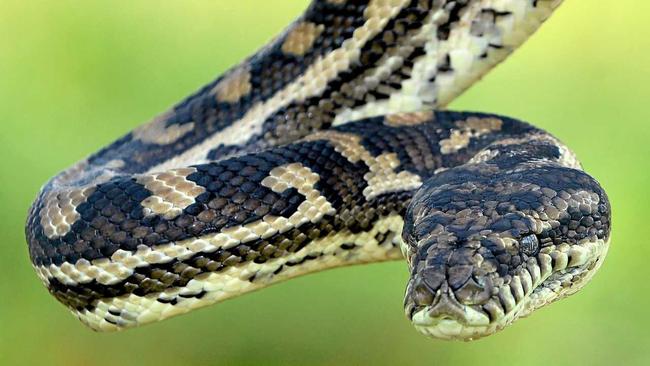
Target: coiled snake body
x=261, y=176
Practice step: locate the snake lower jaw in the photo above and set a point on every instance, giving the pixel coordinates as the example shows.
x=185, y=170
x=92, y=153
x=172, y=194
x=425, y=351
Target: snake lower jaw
x=472, y=323
x=471, y=326
x=449, y=329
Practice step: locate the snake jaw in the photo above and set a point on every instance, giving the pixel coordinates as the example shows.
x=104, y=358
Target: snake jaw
x=556, y=272
x=447, y=318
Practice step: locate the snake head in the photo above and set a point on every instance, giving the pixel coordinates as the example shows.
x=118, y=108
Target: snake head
x=488, y=244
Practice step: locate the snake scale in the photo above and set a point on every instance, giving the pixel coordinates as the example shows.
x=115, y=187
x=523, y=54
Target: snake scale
x=261, y=176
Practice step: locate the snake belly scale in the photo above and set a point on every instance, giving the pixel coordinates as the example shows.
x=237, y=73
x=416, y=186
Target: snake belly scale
x=325, y=149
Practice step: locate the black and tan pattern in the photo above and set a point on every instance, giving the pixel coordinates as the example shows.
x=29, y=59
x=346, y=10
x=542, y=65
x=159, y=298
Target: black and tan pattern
x=259, y=178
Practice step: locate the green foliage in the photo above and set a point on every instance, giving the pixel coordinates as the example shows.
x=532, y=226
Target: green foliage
x=75, y=75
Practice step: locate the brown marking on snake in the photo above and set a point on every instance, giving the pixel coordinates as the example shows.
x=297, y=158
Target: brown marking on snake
x=382, y=177
x=301, y=38
x=234, y=86
x=60, y=213
x=382, y=9
x=472, y=127
x=60, y=204
x=408, y=119
x=481, y=125
x=156, y=132
x=300, y=177
x=172, y=192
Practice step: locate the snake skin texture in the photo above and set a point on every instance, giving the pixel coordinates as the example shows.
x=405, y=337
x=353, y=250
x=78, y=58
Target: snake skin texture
x=324, y=149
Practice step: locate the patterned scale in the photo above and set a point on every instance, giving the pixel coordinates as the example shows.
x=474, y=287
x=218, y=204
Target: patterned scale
x=296, y=160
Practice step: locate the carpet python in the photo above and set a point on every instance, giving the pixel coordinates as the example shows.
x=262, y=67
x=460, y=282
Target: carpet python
x=260, y=177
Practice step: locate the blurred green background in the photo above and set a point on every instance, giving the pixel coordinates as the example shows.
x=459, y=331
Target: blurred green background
x=75, y=75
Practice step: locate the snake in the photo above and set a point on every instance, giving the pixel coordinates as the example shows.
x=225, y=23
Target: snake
x=331, y=146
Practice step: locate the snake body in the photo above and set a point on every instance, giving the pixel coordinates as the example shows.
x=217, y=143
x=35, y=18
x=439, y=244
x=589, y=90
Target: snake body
x=321, y=150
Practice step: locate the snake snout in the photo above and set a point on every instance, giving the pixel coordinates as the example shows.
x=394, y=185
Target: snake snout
x=458, y=282
x=449, y=293
x=450, y=311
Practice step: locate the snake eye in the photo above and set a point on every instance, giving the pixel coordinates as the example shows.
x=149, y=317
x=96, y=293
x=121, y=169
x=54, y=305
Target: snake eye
x=529, y=245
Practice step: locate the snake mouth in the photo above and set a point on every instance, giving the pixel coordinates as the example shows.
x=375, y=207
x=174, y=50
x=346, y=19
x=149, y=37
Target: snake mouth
x=450, y=320
x=555, y=273
x=449, y=329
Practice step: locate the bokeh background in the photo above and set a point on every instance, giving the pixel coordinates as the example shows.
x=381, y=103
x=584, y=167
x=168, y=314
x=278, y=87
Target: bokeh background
x=75, y=75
